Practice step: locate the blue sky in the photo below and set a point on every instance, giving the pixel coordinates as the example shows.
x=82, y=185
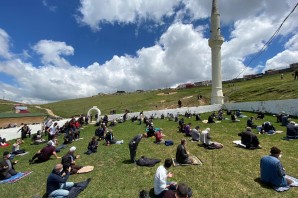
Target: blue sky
x=57, y=49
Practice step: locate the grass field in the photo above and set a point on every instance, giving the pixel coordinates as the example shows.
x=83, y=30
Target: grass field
x=229, y=172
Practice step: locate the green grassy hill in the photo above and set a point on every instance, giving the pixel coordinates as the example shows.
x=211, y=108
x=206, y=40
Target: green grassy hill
x=261, y=89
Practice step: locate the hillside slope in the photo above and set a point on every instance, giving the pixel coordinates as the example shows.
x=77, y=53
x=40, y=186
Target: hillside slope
x=261, y=89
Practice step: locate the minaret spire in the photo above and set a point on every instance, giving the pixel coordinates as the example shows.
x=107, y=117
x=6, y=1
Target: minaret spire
x=215, y=43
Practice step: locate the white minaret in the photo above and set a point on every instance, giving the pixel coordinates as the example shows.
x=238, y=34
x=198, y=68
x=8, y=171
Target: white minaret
x=215, y=43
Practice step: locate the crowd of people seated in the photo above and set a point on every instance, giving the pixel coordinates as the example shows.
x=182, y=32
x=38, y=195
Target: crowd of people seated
x=270, y=166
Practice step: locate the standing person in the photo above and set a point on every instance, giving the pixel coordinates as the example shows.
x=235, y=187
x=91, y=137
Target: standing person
x=6, y=166
x=179, y=103
x=133, y=145
x=272, y=171
x=57, y=185
x=52, y=131
x=24, y=131
x=161, y=185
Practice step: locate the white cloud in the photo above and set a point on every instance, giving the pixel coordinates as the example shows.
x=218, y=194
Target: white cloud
x=286, y=57
x=52, y=51
x=4, y=44
x=94, y=12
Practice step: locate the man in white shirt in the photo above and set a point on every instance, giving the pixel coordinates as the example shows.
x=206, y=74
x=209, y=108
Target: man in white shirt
x=52, y=131
x=160, y=179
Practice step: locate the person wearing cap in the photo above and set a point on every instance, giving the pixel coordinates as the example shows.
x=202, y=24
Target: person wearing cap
x=45, y=153
x=6, y=166
x=161, y=185
x=57, y=185
x=272, y=171
x=68, y=160
x=195, y=134
x=292, y=130
x=205, y=137
x=249, y=139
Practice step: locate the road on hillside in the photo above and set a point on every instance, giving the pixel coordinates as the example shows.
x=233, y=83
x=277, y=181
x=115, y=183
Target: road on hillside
x=49, y=111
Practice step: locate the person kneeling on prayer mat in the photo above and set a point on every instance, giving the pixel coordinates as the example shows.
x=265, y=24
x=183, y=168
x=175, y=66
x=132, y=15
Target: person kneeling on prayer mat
x=6, y=166
x=272, y=171
x=249, y=139
x=182, y=155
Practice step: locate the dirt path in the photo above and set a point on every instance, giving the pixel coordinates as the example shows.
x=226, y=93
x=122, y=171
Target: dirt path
x=49, y=111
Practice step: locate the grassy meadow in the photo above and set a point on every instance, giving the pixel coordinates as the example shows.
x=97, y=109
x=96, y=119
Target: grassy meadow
x=228, y=172
x=260, y=89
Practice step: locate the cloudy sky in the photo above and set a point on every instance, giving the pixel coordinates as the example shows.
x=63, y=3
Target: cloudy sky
x=53, y=50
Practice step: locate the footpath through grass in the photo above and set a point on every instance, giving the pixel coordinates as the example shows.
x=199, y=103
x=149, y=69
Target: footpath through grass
x=229, y=172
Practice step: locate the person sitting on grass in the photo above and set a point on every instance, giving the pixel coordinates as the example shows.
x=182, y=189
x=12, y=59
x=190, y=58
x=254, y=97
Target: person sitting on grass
x=234, y=117
x=250, y=123
x=159, y=137
x=211, y=118
x=92, y=146
x=195, y=134
x=16, y=147
x=100, y=133
x=249, y=139
x=110, y=138
x=272, y=171
x=68, y=160
x=187, y=130
x=292, y=130
x=267, y=128
x=37, y=138
x=57, y=185
x=44, y=154
x=182, y=155
x=180, y=192
x=161, y=185
x=260, y=115
x=6, y=166
x=2, y=141
x=205, y=138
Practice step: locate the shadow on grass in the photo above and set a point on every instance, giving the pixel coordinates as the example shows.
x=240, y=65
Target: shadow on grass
x=262, y=184
x=151, y=193
x=127, y=162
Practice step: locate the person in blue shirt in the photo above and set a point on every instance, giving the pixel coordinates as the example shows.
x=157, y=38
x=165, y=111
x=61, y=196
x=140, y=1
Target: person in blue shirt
x=272, y=171
x=57, y=185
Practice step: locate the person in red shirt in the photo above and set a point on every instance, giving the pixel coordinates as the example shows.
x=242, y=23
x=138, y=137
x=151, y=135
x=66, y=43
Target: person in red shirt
x=44, y=154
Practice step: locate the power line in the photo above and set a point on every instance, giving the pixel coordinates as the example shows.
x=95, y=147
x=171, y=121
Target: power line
x=268, y=42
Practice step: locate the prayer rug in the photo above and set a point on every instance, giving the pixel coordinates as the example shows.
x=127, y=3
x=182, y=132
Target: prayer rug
x=294, y=184
x=15, y=178
x=85, y=169
x=238, y=143
x=195, y=160
x=4, y=145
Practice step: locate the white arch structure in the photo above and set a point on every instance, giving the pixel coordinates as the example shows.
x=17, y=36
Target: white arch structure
x=96, y=109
